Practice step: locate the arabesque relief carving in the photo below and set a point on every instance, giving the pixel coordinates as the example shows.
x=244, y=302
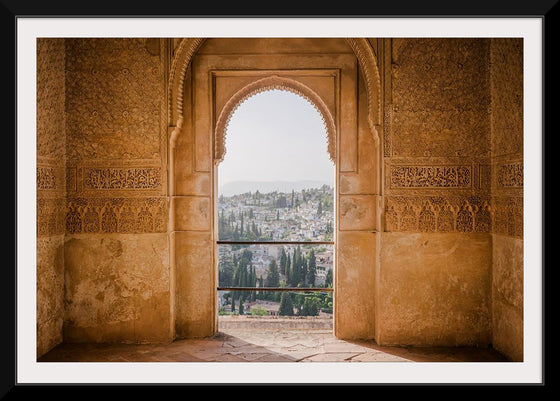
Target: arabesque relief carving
x=116, y=215
x=50, y=216
x=510, y=175
x=124, y=111
x=508, y=215
x=46, y=178
x=430, y=176
x=122, y=178
x=438, y=214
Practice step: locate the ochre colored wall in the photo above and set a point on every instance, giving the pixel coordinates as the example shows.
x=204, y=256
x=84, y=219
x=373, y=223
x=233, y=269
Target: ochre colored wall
x=51, y=155
x=446, y=257
x=433, y=287
x=506, y=57
x=117, y=278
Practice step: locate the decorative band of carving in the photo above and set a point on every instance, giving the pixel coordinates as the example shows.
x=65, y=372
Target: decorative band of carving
x=46, y=178
x=368, y=64
x=430, y=176
x=179, y=66
x=387, y=131
x=270, y=83
x=50, y=216
x=122, y=178
x=438, y=214
x=510, y=175
x=508, y=215
x=116, y=215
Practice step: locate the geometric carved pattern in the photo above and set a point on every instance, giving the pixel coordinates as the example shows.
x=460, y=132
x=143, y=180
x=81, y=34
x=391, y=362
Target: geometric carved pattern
x=510, y=175
x=116, y=215
x=122, y=178
x=115, y=99
x=387, y=121
x=440, y=103
x=46, y=178
x=508, y=215
x=50, y=216
x=430, y=176
x=51, y=98
x=438, y=214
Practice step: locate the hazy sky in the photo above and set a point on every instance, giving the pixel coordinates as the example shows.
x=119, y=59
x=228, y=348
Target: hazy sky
x=276, y=135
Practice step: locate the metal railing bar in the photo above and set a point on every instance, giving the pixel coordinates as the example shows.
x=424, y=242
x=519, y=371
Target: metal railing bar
x=300, y=289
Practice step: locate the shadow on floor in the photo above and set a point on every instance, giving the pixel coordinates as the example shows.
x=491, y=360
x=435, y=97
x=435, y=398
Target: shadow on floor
x=242, y=345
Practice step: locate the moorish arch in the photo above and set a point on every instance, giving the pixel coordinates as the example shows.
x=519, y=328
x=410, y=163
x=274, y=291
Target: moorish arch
x=263, y=85
x=188, y=47
x=345, y=89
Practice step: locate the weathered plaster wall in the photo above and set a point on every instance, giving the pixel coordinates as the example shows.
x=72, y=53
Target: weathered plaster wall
x=433, y=286
x=507, y=196
x=51, y=155
x=436, y=289
x=444, y=266
x=117, y=288
x=116, y=249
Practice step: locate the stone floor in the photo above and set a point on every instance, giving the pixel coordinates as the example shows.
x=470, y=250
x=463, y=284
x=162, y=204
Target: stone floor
x=266, y=345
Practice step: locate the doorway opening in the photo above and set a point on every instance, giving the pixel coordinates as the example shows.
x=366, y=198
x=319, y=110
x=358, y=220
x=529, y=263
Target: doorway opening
x=275, y=216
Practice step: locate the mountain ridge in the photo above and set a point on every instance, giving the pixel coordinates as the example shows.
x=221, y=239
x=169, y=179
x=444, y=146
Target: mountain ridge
x=241, y=187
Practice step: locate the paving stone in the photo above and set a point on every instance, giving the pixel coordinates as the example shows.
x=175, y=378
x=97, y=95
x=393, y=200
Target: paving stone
x=330, y=357
x=265, y=346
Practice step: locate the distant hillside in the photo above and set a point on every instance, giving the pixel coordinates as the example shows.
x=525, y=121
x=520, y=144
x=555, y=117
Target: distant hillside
x=241, y=187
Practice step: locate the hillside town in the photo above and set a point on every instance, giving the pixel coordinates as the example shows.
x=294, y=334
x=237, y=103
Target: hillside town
x=305, y=215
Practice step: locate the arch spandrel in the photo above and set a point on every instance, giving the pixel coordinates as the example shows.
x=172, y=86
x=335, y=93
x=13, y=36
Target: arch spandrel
x=266, y=84
x=365, y=54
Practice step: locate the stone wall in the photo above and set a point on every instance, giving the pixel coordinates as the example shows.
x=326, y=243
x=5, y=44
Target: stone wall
x=443, y=266
x=436, y=250
x=506, y=57
x=51, y=155
x=116, y=250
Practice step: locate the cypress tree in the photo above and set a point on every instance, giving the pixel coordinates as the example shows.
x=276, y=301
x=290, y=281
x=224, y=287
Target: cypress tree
x=303, y=278
x=241, y=230
x=273, y=277
x=288, y=267
x=311, y=269
x=283, y=260
x=329, y=278
x=286, y=307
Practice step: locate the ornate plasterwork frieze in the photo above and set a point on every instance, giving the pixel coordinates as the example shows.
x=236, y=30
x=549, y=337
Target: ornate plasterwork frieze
x=442, y=176
x=50, y=216
x=387, y=127
x=122, y=178
x=50, y=180
x=116, y=215
x=46, y=178
x=510, y=175
x=102, y=178
x=508, y=215
x=438, y=214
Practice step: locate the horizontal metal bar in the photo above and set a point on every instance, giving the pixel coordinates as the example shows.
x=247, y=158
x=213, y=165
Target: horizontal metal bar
x=275, y=242
x=300, y=289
